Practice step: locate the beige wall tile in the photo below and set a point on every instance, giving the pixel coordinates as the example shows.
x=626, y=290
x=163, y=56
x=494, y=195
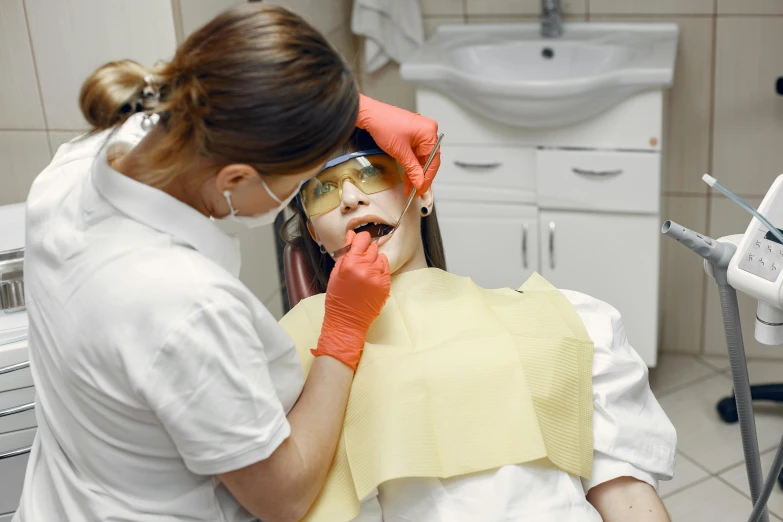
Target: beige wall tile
x=275, y=304
x=388, y=86
x=347, y=44
x=20, y=102
x=687, y=133
x=652, y=7
x=527, y=7
x=433, y=22
x=682, y=278
x=728, y=218
x=748, y=148
x=496, y=19
x=57, y=138
x=325, y=15
x=24, y=155
x=760, y=7
x=71, y=39
x=443, y=7
x=259, y=258
x=196, y=13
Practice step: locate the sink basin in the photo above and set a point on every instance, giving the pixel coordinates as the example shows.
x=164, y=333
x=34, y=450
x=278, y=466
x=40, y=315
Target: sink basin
x=511, y=74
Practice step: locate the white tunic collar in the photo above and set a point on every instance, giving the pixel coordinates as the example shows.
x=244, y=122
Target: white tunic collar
x=161, y=211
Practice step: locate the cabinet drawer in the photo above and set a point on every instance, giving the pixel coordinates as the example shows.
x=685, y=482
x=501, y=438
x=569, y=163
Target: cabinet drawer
x=599, y=180
x=15, y=366
x=487, y=174
x=15, y=410
x=12, y=470
x=496, y=245
x=17, y=441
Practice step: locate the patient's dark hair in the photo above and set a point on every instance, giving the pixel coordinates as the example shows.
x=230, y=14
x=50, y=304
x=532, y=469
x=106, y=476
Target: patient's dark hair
x=294, y=232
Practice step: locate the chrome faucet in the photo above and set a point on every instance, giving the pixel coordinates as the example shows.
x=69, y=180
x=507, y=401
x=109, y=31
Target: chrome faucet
x=551, y=19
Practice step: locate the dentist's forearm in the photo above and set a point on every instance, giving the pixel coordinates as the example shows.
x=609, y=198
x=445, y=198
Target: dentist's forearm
x=627, y=499
x=283, y=487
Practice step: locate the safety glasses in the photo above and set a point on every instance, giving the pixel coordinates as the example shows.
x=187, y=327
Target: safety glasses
x=371, y=171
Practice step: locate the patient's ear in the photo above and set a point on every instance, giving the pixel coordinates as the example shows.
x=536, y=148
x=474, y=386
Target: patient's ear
x=426, y=199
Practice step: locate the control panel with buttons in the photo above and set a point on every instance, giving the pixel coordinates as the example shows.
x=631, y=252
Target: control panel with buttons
x=764, y=256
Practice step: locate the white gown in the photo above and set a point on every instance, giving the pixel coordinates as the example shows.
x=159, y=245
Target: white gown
x=632, y=437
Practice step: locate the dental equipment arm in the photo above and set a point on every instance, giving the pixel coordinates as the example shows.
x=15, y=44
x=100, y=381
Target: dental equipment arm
x=719, y=255
x=626, y=499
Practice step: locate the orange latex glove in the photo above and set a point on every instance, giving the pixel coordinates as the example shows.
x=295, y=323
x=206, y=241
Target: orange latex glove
x=358, y=288
x=405, y=136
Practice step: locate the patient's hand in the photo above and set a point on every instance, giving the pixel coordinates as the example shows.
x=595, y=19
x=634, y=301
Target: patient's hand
x=627, y=499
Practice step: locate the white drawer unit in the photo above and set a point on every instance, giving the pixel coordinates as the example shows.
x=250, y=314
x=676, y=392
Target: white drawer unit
x=504, y=174
x=17, y=394
x=604, y=181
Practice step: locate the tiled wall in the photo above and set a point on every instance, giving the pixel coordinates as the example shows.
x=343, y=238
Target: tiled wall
x=48, y=48
x=723, y=118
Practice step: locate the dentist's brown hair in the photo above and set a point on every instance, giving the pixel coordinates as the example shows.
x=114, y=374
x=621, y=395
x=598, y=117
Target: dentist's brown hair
x=257, y=85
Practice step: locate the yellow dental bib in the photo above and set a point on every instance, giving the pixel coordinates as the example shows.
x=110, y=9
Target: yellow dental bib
x=457, y=379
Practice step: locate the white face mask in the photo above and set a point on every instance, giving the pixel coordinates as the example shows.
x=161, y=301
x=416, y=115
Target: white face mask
x=265, y=218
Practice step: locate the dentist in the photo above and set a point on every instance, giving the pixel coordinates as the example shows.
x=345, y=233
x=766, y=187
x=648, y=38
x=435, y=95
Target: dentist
x=165, y=390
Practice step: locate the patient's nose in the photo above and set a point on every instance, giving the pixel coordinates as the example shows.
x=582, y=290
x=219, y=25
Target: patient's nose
x=352, y=197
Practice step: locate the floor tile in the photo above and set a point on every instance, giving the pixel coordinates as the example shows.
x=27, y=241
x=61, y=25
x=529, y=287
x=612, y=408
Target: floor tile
x=674, y=371
x=709, y=501
x=766, y=372
x=738, y=478
x=719, y=362
x=686, y=473
x=703, y=436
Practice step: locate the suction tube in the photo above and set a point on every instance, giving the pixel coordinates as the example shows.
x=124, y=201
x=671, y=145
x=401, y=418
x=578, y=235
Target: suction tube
x=718, y=255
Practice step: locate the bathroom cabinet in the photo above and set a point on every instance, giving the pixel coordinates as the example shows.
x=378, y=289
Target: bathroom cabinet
x=580, y=205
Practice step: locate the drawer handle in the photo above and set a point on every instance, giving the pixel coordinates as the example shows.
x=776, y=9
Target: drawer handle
x=552, y=245
x=15, y=367
x=524, y=246
x=597, y=173
x=17, y=409
x=482, y=166
x=16, y=453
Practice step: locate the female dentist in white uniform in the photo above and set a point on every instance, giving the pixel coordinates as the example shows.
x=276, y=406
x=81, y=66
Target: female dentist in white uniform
x=165, y=390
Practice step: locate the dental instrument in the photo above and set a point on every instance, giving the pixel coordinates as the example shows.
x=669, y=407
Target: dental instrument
x=344, y=250
x=751, y=263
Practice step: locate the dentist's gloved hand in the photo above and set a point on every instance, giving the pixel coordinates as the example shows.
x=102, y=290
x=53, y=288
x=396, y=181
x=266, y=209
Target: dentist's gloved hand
x=358, y=288
x=405, y=136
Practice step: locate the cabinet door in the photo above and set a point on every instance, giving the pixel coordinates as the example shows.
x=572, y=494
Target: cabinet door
x=495, y=245
x=612, y=257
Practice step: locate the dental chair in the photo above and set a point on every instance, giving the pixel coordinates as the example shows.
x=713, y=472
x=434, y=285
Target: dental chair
x=298, y=277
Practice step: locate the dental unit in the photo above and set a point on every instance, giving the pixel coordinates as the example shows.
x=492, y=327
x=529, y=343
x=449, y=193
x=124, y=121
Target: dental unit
x=751, y=263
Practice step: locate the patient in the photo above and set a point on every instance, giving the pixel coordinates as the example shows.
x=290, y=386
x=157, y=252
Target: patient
x=472, y=404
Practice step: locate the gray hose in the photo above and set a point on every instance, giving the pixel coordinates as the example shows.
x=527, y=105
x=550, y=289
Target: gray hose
x=742, y=394
x=774, y=472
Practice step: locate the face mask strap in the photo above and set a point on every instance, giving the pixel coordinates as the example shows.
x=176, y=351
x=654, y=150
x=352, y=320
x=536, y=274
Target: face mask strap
x=227, y=195
x=269, y=191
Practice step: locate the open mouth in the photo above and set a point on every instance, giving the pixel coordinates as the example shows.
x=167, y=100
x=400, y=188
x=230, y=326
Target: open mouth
x=376, y=230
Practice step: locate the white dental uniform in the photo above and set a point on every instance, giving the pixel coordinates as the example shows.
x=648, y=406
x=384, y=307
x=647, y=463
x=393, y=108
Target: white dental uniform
x=155, y=368
x=632, y=437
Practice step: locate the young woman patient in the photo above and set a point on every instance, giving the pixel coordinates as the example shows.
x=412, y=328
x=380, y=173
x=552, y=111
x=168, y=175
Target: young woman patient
x=473, y=404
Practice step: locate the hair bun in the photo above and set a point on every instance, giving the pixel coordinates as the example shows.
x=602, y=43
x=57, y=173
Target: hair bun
x=113, y=93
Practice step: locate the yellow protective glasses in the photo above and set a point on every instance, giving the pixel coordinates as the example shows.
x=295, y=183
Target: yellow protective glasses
x=370, y=171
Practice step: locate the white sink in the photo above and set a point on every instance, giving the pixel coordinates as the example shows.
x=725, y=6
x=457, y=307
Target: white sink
x=509, y=73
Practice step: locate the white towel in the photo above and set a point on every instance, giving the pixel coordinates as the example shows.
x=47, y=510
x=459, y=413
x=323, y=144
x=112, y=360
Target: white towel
x=393, y=30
